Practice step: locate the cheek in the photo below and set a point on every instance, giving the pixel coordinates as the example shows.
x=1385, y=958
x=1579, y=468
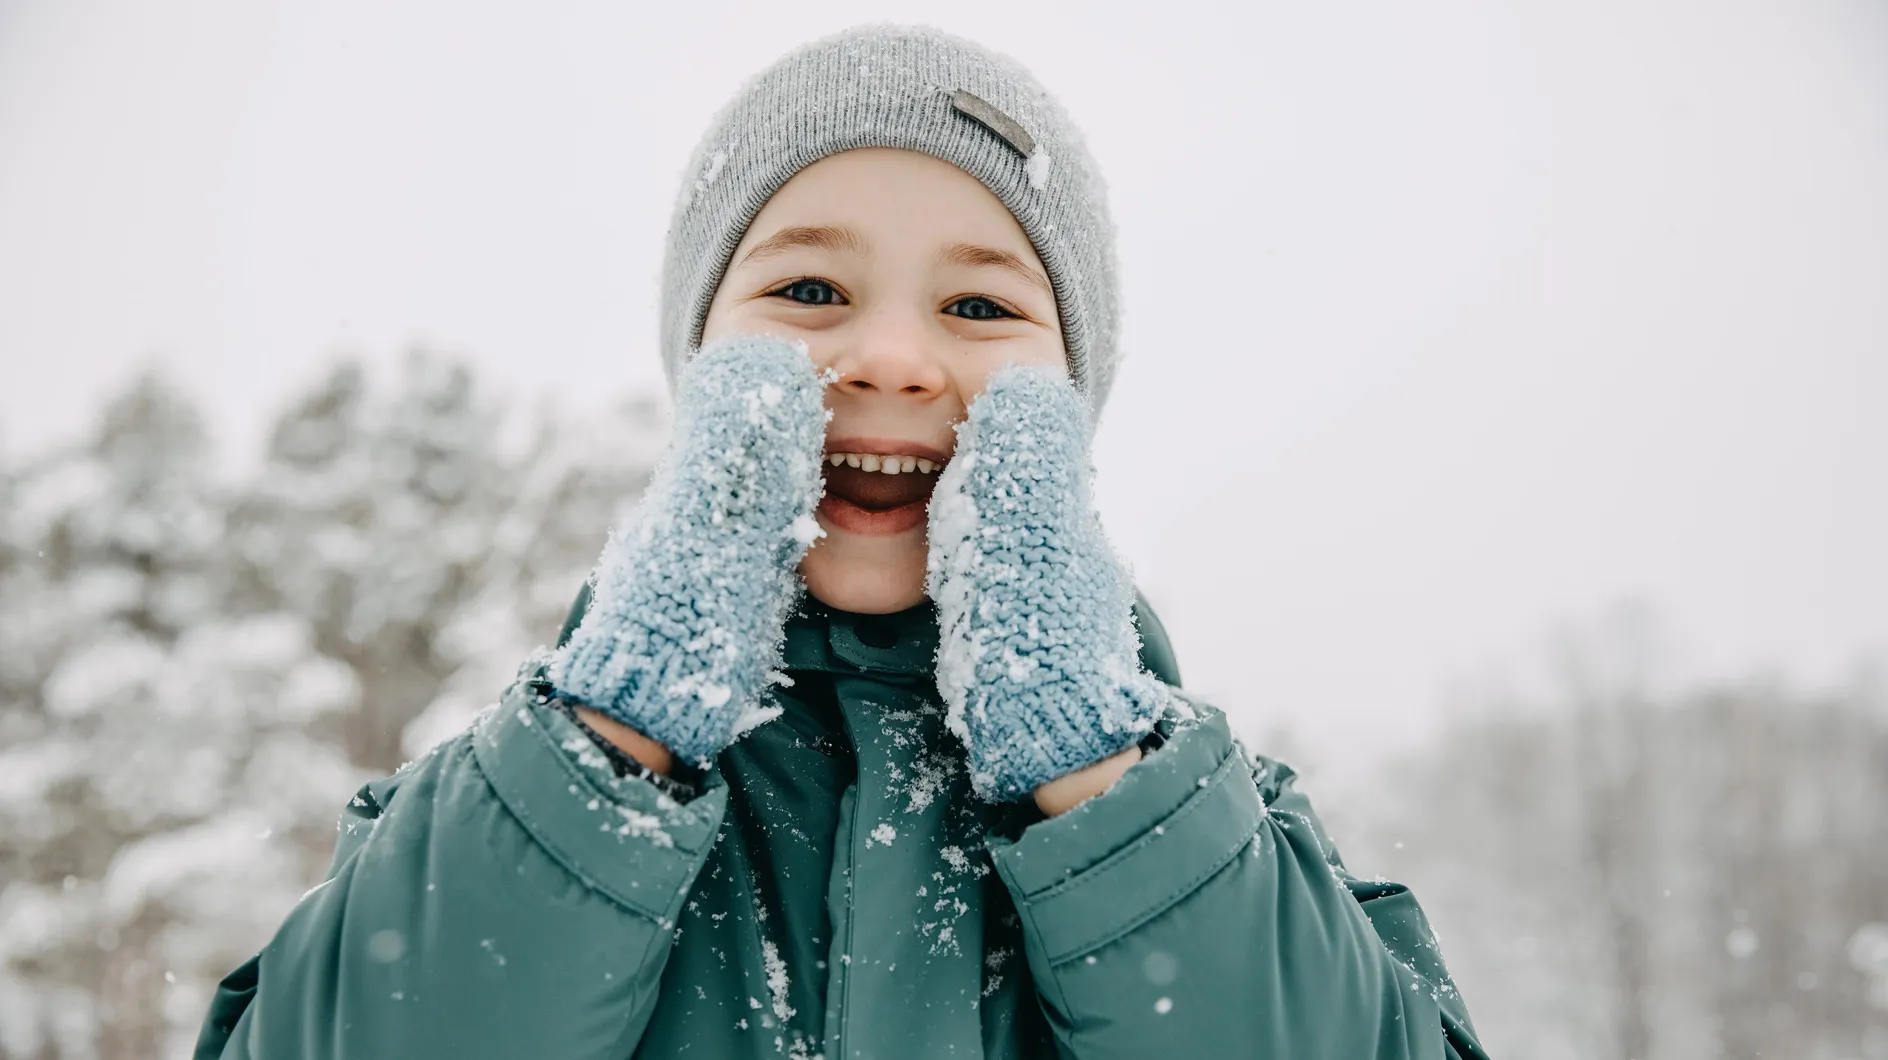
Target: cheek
x=973, y=376
x=719, y=323
x=753, y=317
x=819, y=347
x=1048, y=351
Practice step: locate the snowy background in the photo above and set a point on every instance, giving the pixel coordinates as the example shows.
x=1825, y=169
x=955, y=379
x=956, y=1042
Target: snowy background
x=1501, y=438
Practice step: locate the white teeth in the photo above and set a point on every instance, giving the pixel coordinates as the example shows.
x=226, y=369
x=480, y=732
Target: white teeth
x=883, y=463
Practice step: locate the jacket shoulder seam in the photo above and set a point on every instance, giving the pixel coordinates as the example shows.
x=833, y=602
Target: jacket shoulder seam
x=1154, y=908
x=1120, y=857
x=556, y=851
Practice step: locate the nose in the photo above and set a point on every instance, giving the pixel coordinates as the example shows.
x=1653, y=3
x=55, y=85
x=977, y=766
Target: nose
x=888, y=354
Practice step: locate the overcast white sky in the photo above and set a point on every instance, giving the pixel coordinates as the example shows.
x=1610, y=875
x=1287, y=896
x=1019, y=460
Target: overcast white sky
x=1445, y=322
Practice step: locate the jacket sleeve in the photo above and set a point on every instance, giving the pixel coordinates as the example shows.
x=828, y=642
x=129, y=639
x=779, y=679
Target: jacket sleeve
x=1198, y=909
x=506, y=895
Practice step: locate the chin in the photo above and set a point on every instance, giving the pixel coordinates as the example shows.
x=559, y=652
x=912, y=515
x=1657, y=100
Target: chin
x=865, y=578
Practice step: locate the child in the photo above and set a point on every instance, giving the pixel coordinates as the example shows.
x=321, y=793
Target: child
x=864, y=746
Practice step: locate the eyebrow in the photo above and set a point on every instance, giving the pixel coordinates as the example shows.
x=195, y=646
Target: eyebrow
x=818, y=237
x=972, y=256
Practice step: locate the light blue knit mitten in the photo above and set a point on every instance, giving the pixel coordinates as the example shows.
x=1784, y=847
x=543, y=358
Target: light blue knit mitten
x=690, y=599
x=1039, y=661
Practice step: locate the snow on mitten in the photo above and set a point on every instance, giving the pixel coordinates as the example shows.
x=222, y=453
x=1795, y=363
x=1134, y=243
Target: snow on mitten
x=1039, y=661
x=691, y=598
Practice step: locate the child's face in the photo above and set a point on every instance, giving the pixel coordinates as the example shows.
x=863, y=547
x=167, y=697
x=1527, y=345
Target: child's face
x=906, y=276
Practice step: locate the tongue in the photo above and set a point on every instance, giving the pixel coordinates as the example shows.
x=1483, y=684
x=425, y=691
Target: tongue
x=876, y=490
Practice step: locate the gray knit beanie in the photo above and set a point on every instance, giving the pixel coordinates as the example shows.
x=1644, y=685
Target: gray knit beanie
x=912, y=88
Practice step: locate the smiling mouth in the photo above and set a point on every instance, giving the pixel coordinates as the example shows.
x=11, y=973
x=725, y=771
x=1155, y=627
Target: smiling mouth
x=878, y=493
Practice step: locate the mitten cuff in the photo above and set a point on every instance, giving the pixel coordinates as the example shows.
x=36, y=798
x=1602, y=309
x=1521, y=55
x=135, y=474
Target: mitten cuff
x=1046, y=740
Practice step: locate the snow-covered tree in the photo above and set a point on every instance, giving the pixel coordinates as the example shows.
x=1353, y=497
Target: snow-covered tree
x=369, y=518
x=197, y=673
x=1622, y=870
x=151, y=747
x=431, y=539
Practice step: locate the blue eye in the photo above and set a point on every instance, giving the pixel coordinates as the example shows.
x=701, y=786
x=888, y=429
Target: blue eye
x=809, y=292
x=977, y=307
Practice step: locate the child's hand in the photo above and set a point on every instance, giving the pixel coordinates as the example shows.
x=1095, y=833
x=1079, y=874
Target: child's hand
x=1039, y=663
x=690, y=599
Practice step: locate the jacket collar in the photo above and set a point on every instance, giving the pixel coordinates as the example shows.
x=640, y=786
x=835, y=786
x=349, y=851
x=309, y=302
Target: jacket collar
x=819, y=637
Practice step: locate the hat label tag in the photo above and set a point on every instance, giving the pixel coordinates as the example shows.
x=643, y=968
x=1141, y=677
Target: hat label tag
x=974, y=107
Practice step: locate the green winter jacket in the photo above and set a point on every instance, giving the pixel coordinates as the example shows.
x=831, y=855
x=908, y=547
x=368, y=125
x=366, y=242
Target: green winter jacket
x=836, y=891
